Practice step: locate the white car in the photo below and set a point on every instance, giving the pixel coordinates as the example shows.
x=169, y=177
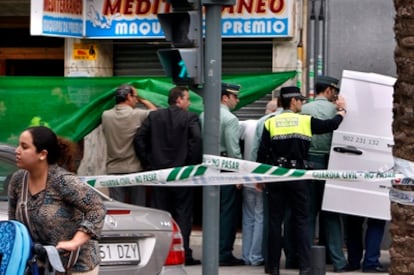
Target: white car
x=135, y=240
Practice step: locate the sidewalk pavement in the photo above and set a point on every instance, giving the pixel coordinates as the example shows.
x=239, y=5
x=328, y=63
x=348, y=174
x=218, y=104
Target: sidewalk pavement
x=196, y=245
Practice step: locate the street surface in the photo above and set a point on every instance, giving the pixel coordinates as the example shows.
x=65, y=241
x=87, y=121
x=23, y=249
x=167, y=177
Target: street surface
x=196, y=245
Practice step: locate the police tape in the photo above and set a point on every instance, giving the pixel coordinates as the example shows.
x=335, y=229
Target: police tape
x=284, y=174
x=395, y=195
x=248, y=172
x=401, y=196
x=209, y=173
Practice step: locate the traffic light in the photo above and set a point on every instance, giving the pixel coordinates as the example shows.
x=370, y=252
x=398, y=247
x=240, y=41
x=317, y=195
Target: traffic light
x=183, y=27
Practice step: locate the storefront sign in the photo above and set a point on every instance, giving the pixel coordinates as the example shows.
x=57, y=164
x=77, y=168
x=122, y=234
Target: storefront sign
x=138, y=18
x=57, y=18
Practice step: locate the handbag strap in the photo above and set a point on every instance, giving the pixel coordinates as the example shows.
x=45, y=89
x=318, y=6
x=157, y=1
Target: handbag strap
x=73, y=257
x=23, y=203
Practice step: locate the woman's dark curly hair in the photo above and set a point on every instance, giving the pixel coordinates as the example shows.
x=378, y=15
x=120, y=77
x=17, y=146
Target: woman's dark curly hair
x=59, y=150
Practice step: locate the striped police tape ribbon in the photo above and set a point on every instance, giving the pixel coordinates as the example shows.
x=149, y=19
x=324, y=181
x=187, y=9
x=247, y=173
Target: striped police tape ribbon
x=244, y=172
x=247, y=172
x=403, y=197
x=284, y=174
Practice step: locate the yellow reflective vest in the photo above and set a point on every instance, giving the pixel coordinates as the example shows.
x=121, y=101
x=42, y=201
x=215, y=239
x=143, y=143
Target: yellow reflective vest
x=288, y=125
x=288, y=135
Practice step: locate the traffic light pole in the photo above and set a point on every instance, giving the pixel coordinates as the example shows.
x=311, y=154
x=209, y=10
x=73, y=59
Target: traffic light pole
x=211, y=138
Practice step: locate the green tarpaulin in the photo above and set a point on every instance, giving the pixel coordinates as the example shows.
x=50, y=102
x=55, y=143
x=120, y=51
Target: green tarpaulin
x=72, y=106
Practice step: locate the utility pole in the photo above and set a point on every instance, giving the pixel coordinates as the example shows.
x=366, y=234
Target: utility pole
x=211, y=135
x=212, y=96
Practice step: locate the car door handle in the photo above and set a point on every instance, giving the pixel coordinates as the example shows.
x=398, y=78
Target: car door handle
x=350, y=150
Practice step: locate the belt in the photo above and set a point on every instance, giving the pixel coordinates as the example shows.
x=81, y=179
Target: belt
x=292, y=163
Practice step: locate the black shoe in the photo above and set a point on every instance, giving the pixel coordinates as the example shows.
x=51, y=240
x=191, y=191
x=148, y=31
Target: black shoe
x=272, y=271
x=192, y=261
x=305, y=271
x=328, y=260
x=291, y=265
x=346, y=268
x=232, y=262
x=376, y=269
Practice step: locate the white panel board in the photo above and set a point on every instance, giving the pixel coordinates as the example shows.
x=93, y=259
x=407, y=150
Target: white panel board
x=363, y=142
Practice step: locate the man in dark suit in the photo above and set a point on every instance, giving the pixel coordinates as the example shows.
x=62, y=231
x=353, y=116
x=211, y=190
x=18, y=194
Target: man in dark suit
x=171, y=137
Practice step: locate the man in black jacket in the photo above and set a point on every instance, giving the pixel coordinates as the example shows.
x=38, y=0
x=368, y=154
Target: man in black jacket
x=171, y=137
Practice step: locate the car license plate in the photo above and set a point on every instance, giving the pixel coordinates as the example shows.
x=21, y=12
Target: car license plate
x=119, y=253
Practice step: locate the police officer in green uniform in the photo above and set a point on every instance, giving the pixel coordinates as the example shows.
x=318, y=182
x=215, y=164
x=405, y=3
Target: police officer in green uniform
x=285, y=142
x=325, y=106
x=230, y=195
x=230, y=200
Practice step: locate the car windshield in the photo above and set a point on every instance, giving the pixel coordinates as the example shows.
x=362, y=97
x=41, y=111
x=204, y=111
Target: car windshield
x=6, y=170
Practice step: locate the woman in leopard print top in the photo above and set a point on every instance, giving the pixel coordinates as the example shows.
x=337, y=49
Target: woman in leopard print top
x=63, y=211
